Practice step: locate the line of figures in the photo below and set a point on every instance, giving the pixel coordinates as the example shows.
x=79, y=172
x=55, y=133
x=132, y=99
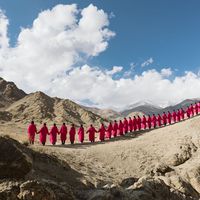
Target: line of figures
x=113, y=129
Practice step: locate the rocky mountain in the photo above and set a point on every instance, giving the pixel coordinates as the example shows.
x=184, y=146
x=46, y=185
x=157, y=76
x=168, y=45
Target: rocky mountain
x=17, y=106
x=9, y=93
x=146, y=109
x=105, y=113
x=40, y=107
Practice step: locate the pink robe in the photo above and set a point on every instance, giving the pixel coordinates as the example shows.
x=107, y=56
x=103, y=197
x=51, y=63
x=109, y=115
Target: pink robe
x=144, y=122
x=115, y=128
x=169, y=117
x=164, y=118
x=63, y=133
x=196, y=109
x=149, y=122
x=188, y=112
x=31, y=132
x=139, y=121
x=192, y=110
x=134, y=124
x=159, y=121
x=125, y=123
x=81, y=134
x=102, y=131
x=91, y=132
x=154, y=121
x=130, y=124
x=121, y=128
x=72, y=133
x=53, y=134
x=109, y=131
x=182, y=114
x=178, y=116
x=43, y=134
x=174, y=116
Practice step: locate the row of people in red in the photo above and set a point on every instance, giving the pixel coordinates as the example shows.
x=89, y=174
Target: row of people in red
x=121, y=128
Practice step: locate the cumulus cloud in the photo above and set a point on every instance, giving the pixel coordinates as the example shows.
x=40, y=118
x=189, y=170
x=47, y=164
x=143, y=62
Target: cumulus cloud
x=47, y=57
x=4, y=22
x=147, y=62
x=166, y=72
x=58, y=39
x=115, y=70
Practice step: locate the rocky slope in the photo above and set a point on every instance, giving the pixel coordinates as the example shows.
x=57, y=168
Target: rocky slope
x=42, y=108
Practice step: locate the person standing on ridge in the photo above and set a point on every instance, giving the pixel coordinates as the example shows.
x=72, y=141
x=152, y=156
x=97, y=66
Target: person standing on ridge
x=53, y=134
x=154, y=120
x=149, y=121
x=196, y=108
x=174, y=116
x=121, y=128
x=115, y=128
x=125, y=123
x=63, y=133
x=139, y=121
x=81, y=134
x=192, y=109
x=134, y=123
x=169, y=117
x=72, y=133
x=109, y=130
x=159, y=120
x=102, y=131
x=178, y=115
x=43, y=134
x=91, y=132
x=31, y=132
x=164, y=118
x=130, y=124
x=182, y=114
x=188, y=112
x=144, y=122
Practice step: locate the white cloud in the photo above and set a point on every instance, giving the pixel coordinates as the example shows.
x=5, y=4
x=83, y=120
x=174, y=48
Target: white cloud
x=147, y=62
x=58, y=39
x=132, y=65
x=166, y=72
x=115, y=70
x=62, y=37
x=4, y=41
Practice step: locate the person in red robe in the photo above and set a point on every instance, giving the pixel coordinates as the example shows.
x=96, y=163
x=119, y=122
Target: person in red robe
x=174, y=116
x=188, y=112
x=91, y=132
x=159, y=119
x=182, y=114
x=139, y=123
x=196, y=107
x=53, y=134
x=134, y=123
x=144, y=122
x=109, y=130
x=43, y=134
x=31, y=132
x=178, y=115
x=102, y=131
x=115, y=128
x=169, y=117
x=130, y=124
x=149, y=121
x=121, y=128
x=125, y=123
x=164, y=118
x=63, y=133
x=192, y=109
x=81, y=134
x=72, y=133
x=154, y=120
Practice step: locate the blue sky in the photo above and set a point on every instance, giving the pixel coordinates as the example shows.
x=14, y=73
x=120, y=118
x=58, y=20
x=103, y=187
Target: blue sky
x=167, y=31
x=149, y=51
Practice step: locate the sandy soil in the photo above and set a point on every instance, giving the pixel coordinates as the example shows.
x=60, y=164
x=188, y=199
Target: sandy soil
x=129, y=156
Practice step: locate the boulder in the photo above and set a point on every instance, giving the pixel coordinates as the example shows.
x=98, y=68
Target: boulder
x=14, y=161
